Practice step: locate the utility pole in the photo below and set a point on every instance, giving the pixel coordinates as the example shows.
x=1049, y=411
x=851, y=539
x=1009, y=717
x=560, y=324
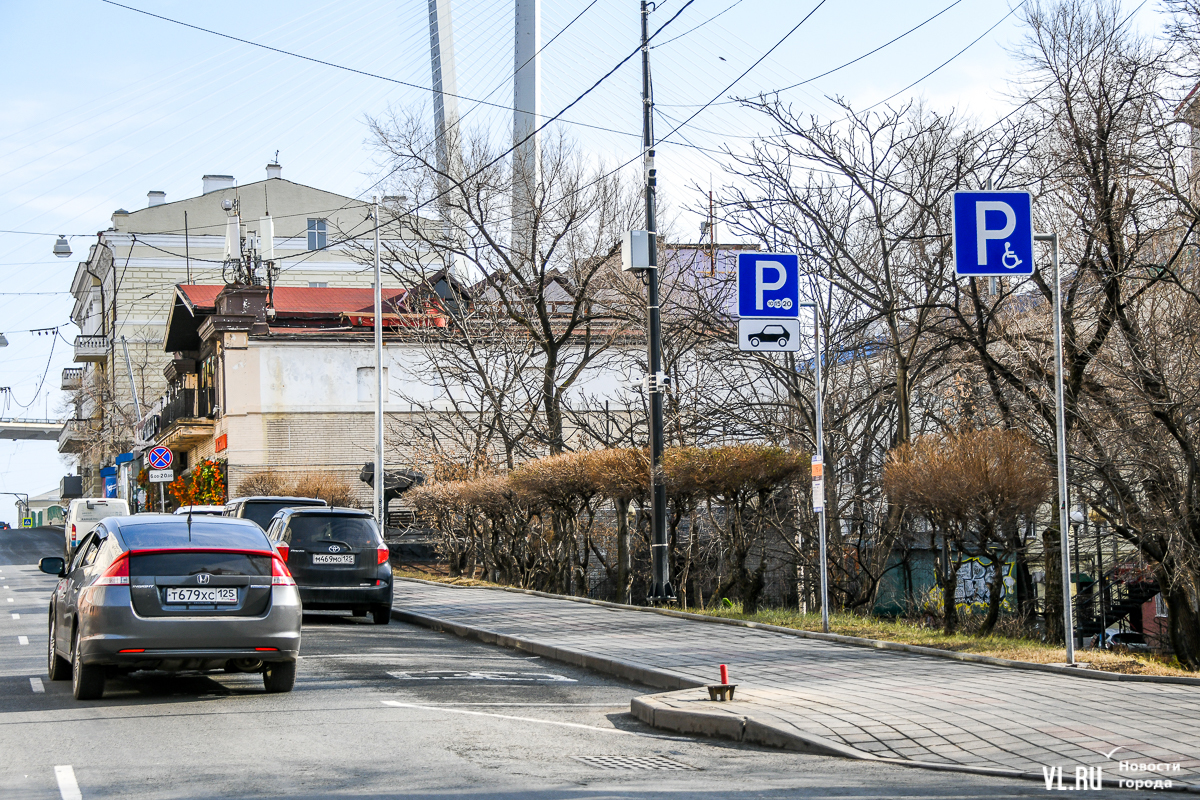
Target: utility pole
x=661, y=590
x=379, y=383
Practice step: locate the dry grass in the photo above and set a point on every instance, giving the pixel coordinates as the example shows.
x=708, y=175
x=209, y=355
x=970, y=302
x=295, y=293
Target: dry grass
x=905, y=632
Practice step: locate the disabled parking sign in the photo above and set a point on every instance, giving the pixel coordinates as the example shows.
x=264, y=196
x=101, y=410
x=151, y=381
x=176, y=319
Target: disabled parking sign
x=993, y=234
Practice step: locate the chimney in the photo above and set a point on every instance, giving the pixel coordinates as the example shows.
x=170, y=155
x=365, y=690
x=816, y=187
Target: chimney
x=274, y=171
x=215, y=183
x=155, y=199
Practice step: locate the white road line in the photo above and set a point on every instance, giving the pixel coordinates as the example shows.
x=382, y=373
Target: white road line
x=22, y=640
x=68, y=787
x=10, y=599
x=36, y=685
x=396, y=704
x=16, y=615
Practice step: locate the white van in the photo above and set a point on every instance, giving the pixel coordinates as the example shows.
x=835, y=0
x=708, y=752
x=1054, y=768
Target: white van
x=85, y=512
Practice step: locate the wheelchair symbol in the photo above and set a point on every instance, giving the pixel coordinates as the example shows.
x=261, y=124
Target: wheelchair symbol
x=1009, y=259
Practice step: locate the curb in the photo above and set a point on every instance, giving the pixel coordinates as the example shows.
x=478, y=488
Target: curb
x=657, y=678
x=722, y=723
x=876, y=644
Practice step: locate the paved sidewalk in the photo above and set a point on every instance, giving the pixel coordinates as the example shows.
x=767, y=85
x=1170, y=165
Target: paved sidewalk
x=889, y=704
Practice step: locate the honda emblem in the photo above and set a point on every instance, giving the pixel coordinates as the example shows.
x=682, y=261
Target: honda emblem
x=203, y=578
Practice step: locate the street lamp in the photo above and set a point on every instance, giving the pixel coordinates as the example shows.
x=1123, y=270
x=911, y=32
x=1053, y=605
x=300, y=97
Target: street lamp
x=819, y=457
x=24, y=502
x=62, y=248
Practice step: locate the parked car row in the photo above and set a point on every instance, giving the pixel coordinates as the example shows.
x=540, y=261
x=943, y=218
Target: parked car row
x=200, y=591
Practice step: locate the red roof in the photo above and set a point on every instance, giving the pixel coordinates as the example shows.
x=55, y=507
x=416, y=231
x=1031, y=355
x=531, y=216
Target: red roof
x=299, y=300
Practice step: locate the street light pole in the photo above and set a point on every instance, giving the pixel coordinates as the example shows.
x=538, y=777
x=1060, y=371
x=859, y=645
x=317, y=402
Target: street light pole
x=379, y=384
x=661, y=590
x=820, y=455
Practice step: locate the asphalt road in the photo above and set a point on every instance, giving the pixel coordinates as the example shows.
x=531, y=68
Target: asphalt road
x=396, y=712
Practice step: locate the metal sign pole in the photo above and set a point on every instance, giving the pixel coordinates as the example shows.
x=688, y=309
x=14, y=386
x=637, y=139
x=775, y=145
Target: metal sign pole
x=379, y=383
x=1061, y=447
x=162, y=498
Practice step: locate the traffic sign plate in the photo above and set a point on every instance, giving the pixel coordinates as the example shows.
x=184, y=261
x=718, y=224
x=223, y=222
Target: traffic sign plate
x=160, y=458
x=769, y=335
x=993, y=234
x=162, y=475
x=768, y=285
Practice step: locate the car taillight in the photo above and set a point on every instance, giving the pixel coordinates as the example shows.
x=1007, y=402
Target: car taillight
x=382, y=550
x=72, y=534
x=280, y=575
x=284, y=549
x=117, y=573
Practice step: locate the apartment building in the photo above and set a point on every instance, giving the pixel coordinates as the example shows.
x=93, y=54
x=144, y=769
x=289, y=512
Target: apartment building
x=124, y=290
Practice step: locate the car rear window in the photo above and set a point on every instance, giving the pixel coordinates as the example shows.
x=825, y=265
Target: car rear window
x=261, y=511
x=309, y=530
x=99, y=512
x=192, y=562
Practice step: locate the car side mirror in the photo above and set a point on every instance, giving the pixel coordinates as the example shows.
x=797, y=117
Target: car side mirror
x=54, y=565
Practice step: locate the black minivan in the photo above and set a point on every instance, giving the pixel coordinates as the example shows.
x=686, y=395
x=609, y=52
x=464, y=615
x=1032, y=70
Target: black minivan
x=338, y=558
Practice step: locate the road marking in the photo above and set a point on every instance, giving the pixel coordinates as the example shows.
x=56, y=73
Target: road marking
x=10, y=599
x=36, y=685
x=22, y=640
x=397, y=704
x=68, y=787
x=483, y=675
x=16, y=615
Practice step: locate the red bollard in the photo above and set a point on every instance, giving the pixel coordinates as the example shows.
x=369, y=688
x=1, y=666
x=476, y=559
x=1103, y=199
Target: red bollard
x=724, y=674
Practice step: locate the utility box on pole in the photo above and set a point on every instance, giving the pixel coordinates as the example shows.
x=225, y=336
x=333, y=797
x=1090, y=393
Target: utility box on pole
x=636, y=248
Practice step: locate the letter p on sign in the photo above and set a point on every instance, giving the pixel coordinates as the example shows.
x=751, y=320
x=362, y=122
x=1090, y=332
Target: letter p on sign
x=993, y=234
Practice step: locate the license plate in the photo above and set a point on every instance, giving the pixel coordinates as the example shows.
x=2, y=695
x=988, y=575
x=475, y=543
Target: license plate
x=190, y=595
x=330, y=558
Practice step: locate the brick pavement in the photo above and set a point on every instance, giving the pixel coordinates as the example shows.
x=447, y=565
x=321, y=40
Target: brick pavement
x=891, y=704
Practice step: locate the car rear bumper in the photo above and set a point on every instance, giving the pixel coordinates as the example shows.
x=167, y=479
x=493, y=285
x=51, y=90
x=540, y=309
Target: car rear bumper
x=331, y=597
x=111, y=625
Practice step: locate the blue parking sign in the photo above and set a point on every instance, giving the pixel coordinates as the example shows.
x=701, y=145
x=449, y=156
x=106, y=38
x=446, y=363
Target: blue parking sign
x=768, y=285
x=993, y=234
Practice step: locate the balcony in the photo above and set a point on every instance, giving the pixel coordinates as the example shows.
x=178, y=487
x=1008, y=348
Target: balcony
x=74, y=436
x=91, y=348
x=184, y=419
x=72, y=379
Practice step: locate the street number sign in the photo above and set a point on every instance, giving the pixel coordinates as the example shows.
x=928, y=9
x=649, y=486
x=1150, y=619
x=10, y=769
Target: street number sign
x=160, y=458
x=993, y=234
x=768, y=285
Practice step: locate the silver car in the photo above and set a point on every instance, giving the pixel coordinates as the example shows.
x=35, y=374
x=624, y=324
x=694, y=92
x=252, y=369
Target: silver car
x=165, y=592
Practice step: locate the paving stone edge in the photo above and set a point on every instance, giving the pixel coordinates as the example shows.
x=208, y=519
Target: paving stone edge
x=720, y=723
x=877, y=644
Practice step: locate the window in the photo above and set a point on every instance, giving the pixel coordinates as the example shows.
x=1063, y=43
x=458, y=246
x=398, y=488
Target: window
x=318, y=284
x=1160, y=606
x=366, y=384
x=316, y=234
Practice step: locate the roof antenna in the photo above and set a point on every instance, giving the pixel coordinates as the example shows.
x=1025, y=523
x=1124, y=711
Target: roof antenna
x=189, y=524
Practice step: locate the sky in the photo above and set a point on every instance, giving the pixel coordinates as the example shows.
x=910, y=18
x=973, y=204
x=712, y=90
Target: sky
x=103, y=104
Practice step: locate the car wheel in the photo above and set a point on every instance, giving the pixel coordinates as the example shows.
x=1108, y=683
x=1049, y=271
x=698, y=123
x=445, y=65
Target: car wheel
x=87, y=680
x=754, y=341
x=381, y=615
x=280, y=676
x=57, y=667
